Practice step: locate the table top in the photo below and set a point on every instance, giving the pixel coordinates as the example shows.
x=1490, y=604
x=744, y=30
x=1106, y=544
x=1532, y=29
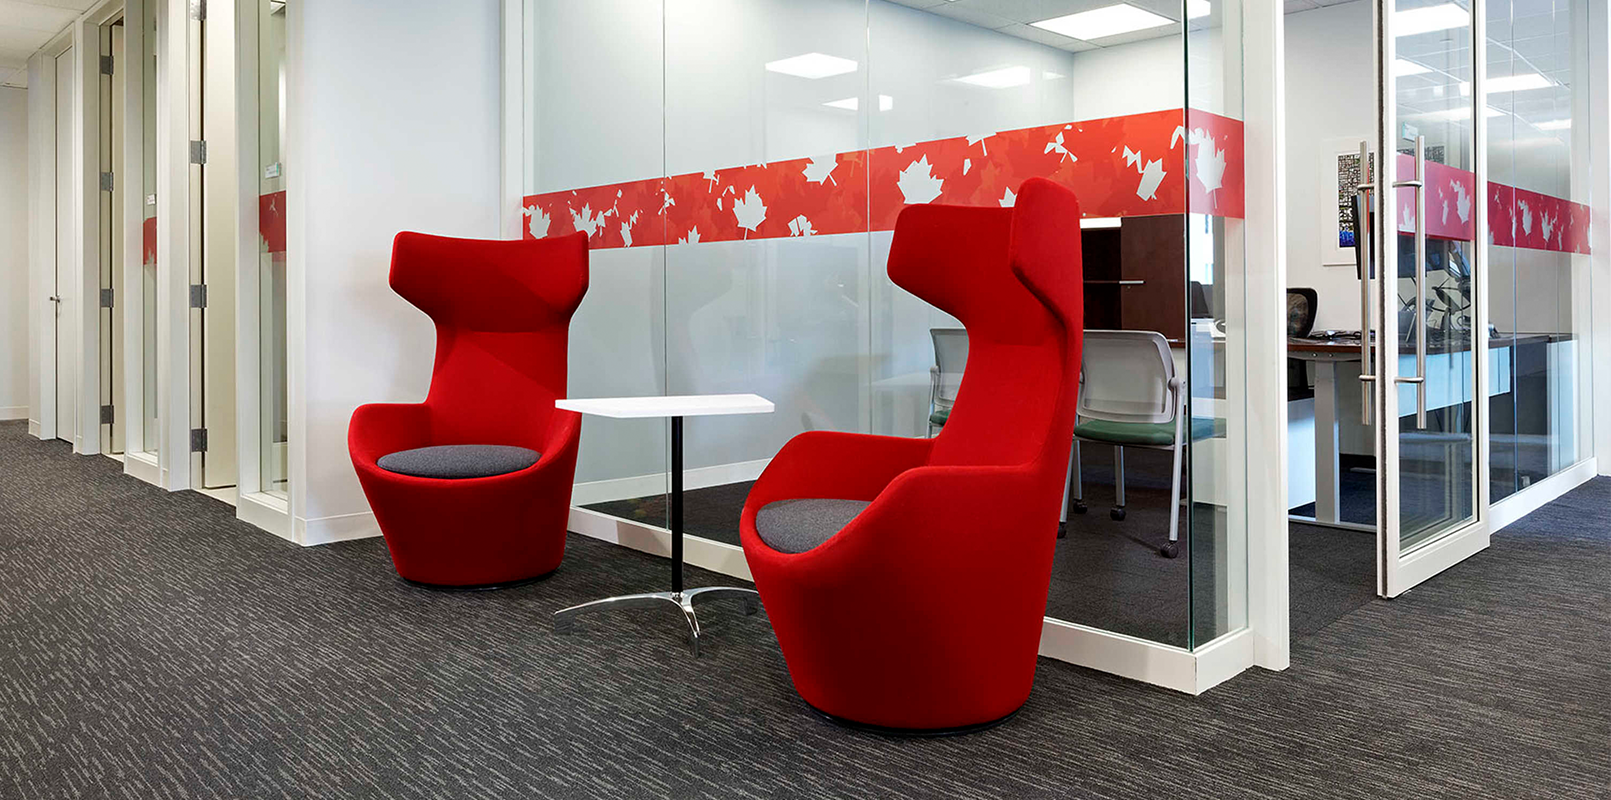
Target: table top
x=688, y=405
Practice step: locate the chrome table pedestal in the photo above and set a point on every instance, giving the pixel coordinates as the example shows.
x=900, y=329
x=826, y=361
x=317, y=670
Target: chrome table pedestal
x=682, y=599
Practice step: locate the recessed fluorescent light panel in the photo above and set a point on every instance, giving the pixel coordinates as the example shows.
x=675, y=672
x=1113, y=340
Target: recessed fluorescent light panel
x=1103, y=22
x=1517, y=83
x=1004, y=78
x=1464, y=112
x=1198, y=8
x=1087, y=223
x=885, y=103
x=812, y=65
x=1431, y=18
x=1403, y=67
x=1555, y=125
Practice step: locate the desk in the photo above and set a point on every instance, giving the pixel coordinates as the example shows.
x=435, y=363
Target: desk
x=675, y=408
x=1441, y=392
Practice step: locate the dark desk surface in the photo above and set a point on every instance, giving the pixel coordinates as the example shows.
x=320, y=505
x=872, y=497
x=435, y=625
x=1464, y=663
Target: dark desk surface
x=1347, y=347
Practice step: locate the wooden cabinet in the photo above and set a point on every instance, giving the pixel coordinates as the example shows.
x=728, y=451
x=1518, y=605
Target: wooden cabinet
x=1135, y=275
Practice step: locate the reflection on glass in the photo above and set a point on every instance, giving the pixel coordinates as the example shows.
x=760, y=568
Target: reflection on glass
x=1435, y=107
x=274, y=428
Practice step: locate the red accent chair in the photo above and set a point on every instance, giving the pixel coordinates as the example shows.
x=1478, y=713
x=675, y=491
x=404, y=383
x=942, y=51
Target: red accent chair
x=502, y=311
x=922, y=613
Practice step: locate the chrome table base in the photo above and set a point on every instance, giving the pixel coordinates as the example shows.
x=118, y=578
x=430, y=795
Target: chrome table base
x=565, y=619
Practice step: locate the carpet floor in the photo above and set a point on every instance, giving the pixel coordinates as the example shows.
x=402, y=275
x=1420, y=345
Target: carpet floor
x=151, y=646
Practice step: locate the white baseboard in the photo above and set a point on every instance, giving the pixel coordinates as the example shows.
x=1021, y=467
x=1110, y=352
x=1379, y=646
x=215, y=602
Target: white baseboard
x=267, y=512
x=13, y=412
x=142, y=466
x=339, y=528
x=699, y=552
x=1540, y=494
x=586, y=494
x=1192, y=672
x=34, y=428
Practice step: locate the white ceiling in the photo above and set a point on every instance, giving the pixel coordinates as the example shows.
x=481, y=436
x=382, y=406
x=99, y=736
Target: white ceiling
x=26, y=26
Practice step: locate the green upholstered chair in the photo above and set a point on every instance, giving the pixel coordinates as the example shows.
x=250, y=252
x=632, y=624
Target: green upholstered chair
x=1131, y=397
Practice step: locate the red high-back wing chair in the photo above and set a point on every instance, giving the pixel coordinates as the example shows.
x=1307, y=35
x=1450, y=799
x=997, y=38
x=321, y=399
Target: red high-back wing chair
x=923, y=612
x=502, y=311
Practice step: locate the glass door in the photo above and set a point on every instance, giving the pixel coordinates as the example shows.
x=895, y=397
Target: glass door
x=1426, y=331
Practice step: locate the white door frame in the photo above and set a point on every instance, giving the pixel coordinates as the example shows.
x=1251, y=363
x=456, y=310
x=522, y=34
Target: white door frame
x=47, y=230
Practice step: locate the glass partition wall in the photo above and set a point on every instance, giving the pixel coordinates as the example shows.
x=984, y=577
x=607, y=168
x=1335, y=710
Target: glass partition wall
x=1538, y=163
x=738, y=166
x=273, y=430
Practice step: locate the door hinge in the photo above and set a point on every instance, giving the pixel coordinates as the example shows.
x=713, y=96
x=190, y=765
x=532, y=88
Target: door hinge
x=198, y=10
x=106, y=65
x=106, y=181
x=106, y=298
x=198, y=295
x=107, y=414
x=198, y=151
x=198, y=440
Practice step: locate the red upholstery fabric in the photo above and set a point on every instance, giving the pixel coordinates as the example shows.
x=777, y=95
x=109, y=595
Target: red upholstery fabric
x=925, y=611
x=502, y=311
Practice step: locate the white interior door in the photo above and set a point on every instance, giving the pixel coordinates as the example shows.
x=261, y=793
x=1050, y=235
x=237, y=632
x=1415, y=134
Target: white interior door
x=1426, y=255
x=65, y=296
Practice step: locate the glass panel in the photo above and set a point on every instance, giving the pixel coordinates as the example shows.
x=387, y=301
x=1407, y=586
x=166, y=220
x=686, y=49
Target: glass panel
x=148, y=234
x=579, y=145
x=1214, y=358
x=273, y=428
x=1434, y=100
x=1538, y=164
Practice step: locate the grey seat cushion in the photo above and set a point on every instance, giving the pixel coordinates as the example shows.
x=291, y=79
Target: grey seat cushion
x=795, y=526
x=459, y=460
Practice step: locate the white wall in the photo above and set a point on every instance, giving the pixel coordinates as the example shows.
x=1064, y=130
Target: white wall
x=393, y=126
x=1329, y=95
x=13, y=253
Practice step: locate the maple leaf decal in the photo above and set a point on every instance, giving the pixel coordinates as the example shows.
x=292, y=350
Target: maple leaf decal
x=1007, y=198
x=1210, y=163
x=1056, y=146
x=692, y=237
x=1527, y=217
x=1151, y=177
x=917, y=182
x=588, y=221
x=1462, y=201
x=539, y=223
x=800, y=226
x=749, y=211
x=820, y=168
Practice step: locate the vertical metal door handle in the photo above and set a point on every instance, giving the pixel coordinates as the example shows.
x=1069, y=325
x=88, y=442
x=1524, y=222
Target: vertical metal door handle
x=1364, y=244
x=1419, y=185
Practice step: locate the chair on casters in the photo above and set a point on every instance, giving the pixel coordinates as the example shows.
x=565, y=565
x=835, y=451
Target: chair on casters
x=950, y=358
x=1131, y=397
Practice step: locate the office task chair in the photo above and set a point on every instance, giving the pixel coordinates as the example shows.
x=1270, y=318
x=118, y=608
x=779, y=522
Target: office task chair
x=1131, y=397
x=472, y=487
x=950, y=358
x=906, y=578
x=1301, y=309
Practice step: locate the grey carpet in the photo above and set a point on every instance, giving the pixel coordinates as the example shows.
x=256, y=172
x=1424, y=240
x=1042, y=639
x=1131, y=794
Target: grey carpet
x=151, y=646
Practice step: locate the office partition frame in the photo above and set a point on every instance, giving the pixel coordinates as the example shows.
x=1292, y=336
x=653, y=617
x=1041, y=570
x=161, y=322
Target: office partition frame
x=1265, y=639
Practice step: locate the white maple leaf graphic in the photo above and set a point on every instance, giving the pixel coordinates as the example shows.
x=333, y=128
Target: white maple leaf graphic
x=710, y=176
x=917, y=182
x=539, y=222
x=1407, y=220
x=978, y=139
x=1151, y=177
x=1527, y=217
x=1056, y=146
x=692, y=237
x=667, y=202
x=1445, y=212
x=1008, y=198
x=1210, y=162
x=588, y=221
x=1462, y=201
x=1549, y=225
x=1131, y=157
x=1174, y=138
x=967, y=164
x=800, y=226
x=626, y=233
x=820, y=168
x=749, y=211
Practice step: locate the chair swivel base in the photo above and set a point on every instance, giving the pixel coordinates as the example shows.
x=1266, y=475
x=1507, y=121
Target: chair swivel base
x=915, y=733
x=565, y=618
